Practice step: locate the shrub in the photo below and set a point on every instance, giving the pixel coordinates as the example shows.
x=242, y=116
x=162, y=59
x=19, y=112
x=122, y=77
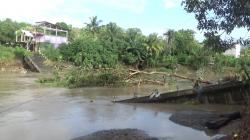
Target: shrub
x=129, y=58
x=21, y=52
x=86, y=78
x=182, y=59
x=89, y=53
x=6, y=53
x=50, y=52
x=170, y=62
x=223, y=60
x=108, y=79
x=9, y=53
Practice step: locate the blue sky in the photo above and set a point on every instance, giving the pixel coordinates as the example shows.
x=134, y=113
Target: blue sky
x=148, y=15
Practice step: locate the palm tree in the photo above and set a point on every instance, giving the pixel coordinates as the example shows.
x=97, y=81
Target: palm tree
x=154, y=45
x=112, y=31
x=170, y=38
x=94, y=25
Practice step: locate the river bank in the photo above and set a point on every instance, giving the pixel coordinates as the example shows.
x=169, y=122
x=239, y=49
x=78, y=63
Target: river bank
x=13, y=66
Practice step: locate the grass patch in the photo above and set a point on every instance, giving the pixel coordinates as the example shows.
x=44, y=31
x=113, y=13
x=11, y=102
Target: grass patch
x=9, y=53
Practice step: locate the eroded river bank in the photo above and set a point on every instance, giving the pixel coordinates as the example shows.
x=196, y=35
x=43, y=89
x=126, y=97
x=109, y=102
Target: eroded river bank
x=29, y=111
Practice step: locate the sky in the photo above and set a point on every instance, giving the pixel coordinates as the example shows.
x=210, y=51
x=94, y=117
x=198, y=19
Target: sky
x=151, y=16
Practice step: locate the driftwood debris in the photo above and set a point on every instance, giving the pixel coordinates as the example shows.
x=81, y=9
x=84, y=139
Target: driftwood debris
x=137, y=72
x=140, y=81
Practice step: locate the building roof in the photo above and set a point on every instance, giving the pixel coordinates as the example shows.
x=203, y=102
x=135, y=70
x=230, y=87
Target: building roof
x=48, y=24
x=27, y=33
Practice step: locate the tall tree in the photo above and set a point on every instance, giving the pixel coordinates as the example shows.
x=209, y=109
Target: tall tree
x=112, y=31
x=185, y=42
x=64, y=26
x=169, y=38
x=7, y=30
x=94, y=25
x=216, y=16
x=154, y=45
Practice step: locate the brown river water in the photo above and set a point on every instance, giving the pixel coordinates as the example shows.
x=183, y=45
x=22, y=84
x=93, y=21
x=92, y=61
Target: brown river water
x=29, y=111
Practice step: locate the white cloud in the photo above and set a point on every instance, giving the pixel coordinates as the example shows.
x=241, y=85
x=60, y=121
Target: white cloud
x=135, y=6
x=172, y=3
x=72, y=12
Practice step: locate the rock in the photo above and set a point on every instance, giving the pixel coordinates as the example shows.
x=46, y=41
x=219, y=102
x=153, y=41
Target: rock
x=194, y=119
x=23, y=71
x=202, y=120
x=223, y=120
x=217, y=123
x=221, y=137
x=117, y=134
x=232, y=116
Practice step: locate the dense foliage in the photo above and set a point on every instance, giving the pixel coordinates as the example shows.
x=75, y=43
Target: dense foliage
x=102, y=46
x=219, y=17
x=216, y=16
x=82, y=78
x=50, y=52
x=98, y=46
x=8, y=29
x=10, y=53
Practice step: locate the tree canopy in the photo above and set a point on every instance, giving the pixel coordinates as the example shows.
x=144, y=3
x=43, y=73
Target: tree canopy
x=216, y=16
x=109, y=45
x=8, y=29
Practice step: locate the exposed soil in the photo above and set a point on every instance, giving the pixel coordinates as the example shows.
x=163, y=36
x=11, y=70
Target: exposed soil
x=15, y=66
x=117, y=134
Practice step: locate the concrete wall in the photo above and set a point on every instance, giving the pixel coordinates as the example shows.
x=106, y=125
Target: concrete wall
x=239, y=94
x=56, y=40
x=231, y=92
x=236, y=95
x=235, y=51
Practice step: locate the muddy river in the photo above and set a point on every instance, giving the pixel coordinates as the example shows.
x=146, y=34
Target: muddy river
x=29, y=111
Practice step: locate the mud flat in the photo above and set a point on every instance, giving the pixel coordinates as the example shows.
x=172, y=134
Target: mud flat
x=117, y=134
x=221, y=124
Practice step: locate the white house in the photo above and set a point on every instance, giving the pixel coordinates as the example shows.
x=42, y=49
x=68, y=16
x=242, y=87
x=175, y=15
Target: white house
x=234, y=51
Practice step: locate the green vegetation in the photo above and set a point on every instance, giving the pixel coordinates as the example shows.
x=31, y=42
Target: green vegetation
x=8, y=29
x=78, y=77
x=108, y=46
x=215, y=17
x=218, y=17
x=9, y=53
x=81, y=78
x=96, y=47
x=50, y=52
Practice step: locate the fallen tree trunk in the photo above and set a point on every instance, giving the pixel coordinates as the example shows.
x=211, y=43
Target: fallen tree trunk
x=136, y=72
x=138, y=82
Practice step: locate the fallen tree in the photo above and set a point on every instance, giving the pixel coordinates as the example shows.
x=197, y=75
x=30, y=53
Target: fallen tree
x=164, y=74
x=140, y=81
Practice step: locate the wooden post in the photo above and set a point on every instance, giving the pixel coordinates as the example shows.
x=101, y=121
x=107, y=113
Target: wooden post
x=21, y=38
x=27, y=46
x=16, y=38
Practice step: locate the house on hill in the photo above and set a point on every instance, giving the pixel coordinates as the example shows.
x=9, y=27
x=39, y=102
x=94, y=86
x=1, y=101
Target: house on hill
x=42, y=32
